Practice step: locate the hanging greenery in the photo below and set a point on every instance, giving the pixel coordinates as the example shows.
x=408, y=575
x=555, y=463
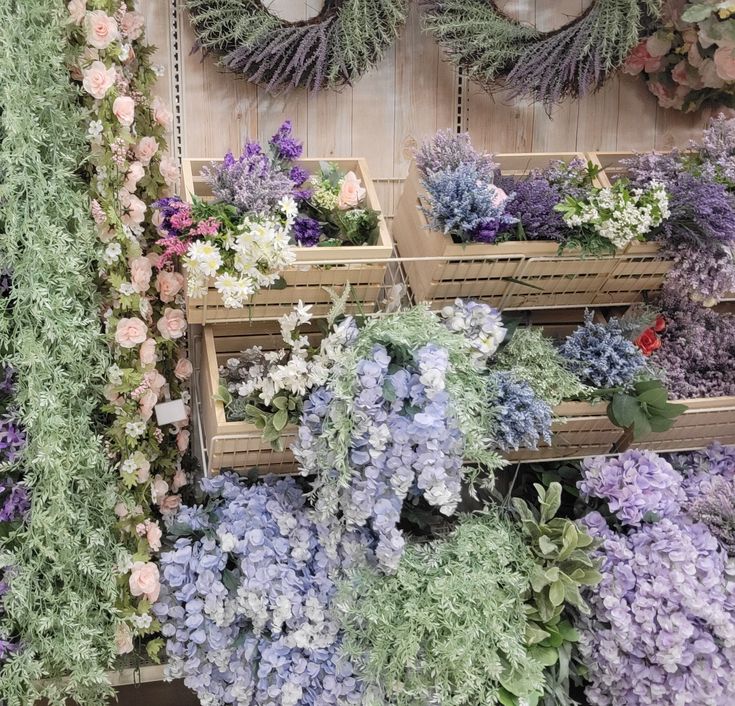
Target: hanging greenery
x=574, y=60
x=332, y=49
x=60, y=603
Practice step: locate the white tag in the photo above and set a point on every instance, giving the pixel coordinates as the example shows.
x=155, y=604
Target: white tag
x=170, y=412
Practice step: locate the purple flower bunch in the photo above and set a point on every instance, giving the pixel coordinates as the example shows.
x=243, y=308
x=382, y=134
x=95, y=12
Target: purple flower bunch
x=637, y=485
x=450, y=150
x=697, y=349
x=662, y=622
x=307, y=231
x=601, y=355
x=246, y=598
x=404, y=441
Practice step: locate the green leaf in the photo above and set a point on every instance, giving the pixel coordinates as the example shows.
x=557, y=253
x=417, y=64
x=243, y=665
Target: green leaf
x=624, y=409
x=506, y=698
x=697, y=13
x=548, y=656
x=556, y=593
x=280, y=420
x=568, y=632
x=546, y=545
x=551, y=503
x=660, y=424
x=656, y=397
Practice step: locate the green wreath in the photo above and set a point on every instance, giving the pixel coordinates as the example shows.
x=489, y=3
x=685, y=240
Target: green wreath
x=573, y=60
x=332, y=49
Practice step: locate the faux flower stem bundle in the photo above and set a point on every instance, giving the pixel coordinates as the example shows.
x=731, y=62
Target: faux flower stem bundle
x=143, y=295
x=63, y=593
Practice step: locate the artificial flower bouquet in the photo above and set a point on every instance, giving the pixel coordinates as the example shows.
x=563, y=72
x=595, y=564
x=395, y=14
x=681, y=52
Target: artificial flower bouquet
x=251, y=220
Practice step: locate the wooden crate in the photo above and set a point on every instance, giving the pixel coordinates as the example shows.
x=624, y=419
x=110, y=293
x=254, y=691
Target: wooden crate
x=237, y=445
x=362, y=267
x=706, y=420
x=519, y=274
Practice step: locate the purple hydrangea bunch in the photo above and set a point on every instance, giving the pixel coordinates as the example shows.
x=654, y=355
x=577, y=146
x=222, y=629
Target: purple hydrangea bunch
x=600, y=354
x=404, y=441
x=480, y=323
x=523, y=419
x=246, y=595
x=637, y=485
x=450, y=150
x=533, y=206
x=662, y=626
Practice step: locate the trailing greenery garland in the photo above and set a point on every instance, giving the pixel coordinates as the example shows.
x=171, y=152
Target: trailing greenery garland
x=573, y=60
x=62, y=591
x=332, y=49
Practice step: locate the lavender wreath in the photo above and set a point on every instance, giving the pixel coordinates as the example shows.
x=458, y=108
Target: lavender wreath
x=332, y=49
x=573, y=60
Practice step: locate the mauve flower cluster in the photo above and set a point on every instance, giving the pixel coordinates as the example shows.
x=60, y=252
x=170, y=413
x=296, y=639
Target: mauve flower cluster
x=637, y=485
x=405, y=440
x=522, y=418
x=601, y=355
x=450, y=150
x=697, y=349
x=246, y=597
x=662, y=626
x=481, y=324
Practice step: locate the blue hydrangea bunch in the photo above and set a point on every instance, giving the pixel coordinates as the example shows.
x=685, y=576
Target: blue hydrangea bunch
x=522, y=417
x=404, y=441
x=636, y=485
x=480, y=323
x=245, y=603
x=662, y=622
x=600, y=354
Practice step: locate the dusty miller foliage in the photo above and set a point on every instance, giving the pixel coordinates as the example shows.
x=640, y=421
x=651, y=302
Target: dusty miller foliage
x=335, y=48
x=62, y=593
x=572, y=61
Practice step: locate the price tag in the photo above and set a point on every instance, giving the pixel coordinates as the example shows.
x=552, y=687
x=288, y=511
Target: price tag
x=170, y=412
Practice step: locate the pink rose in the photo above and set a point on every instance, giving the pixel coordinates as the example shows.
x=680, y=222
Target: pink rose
x=169, y=284
x=169, y=170
x=148, y=353
x=182, y=441
x=140, y=274
x=179, y=480
x=161, y=113
x=134, y=209
x=183, y=369
x=497, y=196
x=123, y=639
x=658, y=45
x=123, y=109
x=153, y=535
x=708, y=72
x=725, y=63
x=98, y=79
x=684, y=76
x=130, y=332
x=131, y=25
x=694, y=56
x=101, y=29
x=121, y=510
x=170, y=504
x=77, y=10
x=145, y=149
x=148, y=400
x=172, y=324
x=351, y=192
x=641, y=60
x=144, y=580
x=154, y=380
x=159, y=488
x=135, y=173
x=144, y=470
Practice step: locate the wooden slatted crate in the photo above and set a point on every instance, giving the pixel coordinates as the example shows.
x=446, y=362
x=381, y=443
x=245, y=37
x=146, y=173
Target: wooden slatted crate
x=237, y=445
x=518, y=274
x=362, y=267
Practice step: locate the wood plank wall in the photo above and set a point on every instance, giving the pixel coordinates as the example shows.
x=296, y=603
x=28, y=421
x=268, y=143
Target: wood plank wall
x=409, y=96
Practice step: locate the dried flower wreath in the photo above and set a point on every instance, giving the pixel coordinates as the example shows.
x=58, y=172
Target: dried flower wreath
x=573, y=60
x=331, y=49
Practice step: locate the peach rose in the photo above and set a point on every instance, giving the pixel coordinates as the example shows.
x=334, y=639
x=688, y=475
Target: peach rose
x=161, y=114
x=123, y=109
x=98, y=79
x=134, y=208
x=159, y=488
x=183, y=369
x=101, y=29
x=725, y=63
x=121, y=510
x=148, y=353
x=694, y=56
x=658, y=45
x=146, y=403
x=182, y=441
x=135, y=173
x=179, y=480
x=641, y=60
x=708, y=72
x=680, y=74
x=77, y=10
x=131, y=25
x=169, y=284
x=169, y=170
x=172, y=324
x=145, y=581
x=351, y=192
x=141, y=272
x=170, y=504
x=154, y=381
x=153, y=535
x=130, y=332
x=145, y=149
x=123, y=639
x=144, y=470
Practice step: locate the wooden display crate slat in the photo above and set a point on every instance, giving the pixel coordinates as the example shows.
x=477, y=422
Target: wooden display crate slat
x=519, y=274
x=362, y=267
